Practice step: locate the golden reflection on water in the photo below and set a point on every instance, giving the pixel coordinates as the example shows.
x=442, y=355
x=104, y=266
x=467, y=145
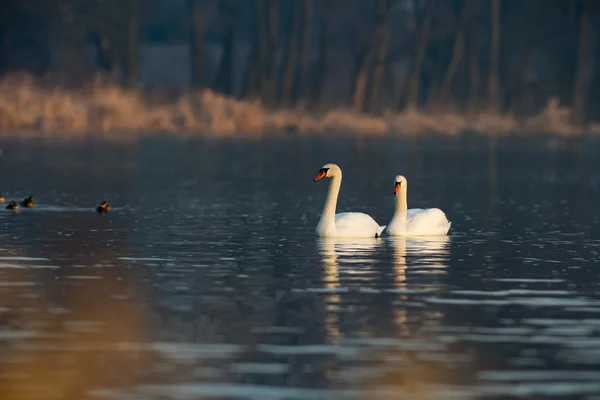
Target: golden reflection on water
x=332, y=250
x=331, y=281
x=64, y=339
x=414, y=380
x=399, y=246
x=431, y=252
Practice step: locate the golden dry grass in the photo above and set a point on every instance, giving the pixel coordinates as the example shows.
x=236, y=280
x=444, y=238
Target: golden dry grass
x=28, y=105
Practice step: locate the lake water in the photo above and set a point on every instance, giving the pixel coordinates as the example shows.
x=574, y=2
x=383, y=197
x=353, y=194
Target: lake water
x=206, y=281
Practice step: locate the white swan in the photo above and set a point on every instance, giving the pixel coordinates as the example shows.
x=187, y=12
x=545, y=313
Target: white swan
x=349, y=224
x=416, y=221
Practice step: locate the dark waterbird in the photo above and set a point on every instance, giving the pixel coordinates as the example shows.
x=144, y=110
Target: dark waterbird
x=28, y=202
x=103, y=208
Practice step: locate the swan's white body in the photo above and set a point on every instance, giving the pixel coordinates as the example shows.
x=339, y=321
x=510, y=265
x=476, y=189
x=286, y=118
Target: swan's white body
x=416, y=221
x=348, y=224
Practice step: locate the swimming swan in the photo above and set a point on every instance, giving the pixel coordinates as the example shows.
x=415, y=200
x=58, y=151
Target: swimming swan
x=349, y=224
x=416, y=221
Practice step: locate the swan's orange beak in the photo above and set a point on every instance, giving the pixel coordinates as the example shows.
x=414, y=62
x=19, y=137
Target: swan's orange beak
x=322, y=174
x=396, y=189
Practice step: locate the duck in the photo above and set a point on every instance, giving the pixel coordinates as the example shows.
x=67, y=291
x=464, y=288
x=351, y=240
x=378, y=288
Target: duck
x=416, y=221
x=28, y=202
x=2, y=198
x=12, y=206
x=103, y=208
x=347, y=224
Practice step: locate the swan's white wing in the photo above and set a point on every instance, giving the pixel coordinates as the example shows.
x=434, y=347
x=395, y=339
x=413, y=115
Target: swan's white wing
x=431, y=221
x=355, y=224
x=413, y=211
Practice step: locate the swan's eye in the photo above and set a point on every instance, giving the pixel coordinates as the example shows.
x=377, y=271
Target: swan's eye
x=324, y=170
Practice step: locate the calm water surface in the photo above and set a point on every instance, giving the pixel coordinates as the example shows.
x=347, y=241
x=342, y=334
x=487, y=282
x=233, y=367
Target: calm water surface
x=206, y=280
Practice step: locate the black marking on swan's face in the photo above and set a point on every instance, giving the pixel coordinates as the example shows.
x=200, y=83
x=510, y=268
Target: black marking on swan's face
x=322, y=174
x=399, y=183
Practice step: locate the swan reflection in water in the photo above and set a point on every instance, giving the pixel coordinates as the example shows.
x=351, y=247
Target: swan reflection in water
x=428, y=255
x=353, y=251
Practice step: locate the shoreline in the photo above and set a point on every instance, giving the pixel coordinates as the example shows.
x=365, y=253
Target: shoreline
x=107, y=110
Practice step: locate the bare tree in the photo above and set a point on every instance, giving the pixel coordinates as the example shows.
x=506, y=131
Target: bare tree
x=473, y=62
x=291, y=55
x=268, y=22
x=412, y=97
x=579, y=87
x=264, y=45
x=361, y=81
x=197, y=41
x=383, y=42
x=227, y=17
x=364, y=63
x=493, y=81
x=323, y=59
x=306, y=47
x=458, y=51
x=133, y=42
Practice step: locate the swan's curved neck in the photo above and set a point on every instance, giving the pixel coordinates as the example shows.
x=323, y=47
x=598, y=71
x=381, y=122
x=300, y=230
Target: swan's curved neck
x=401, y=206
x=332, y=196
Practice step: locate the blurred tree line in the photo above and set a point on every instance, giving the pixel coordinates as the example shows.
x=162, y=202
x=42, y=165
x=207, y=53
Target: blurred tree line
x=371, y=55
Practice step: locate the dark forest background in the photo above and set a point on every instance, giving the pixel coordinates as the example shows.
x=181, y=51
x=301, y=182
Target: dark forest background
x=510, y=56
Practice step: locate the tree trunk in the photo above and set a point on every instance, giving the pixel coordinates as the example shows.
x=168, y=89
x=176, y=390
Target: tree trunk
x=306, y=47
x=273, y=22
x=493, y=82
x=566, y=65
x=262, y=12
x=457, y=54
x=224, y=78
x=579, y=88
x=250, y=88
x=593, y=102
x=253, y=74
x=412, y=97
x=6, y=49
x=115, y=65
x=322, y=64
x=364, y=63
x=197, y=42
x=108, y=56
x=382, y=54
x=133, y=44
x=292, y=55
x=268, y=21
x=473, y=68
x=361, y=80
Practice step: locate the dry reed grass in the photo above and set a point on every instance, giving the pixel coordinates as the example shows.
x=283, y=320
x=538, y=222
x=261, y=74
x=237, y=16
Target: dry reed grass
x=27, y=104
